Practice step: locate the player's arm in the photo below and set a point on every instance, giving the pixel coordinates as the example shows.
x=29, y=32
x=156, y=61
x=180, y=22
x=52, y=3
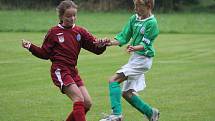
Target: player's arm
x=113, y=42
x=89, y=42
x=36, y=51
x=107, y=42
x=134, y=48
x=46, y=49
x=125, y=35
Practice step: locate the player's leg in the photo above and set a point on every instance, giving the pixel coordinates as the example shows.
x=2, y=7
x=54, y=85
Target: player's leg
x=115, y=93
x=74, y=93
x=62, y=78
x=115, y=97
x=87, y=98
x=132, y=97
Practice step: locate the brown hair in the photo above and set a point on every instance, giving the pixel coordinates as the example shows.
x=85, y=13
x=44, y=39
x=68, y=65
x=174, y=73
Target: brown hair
x=152, y=2
x=148, y=2
x=61, y=8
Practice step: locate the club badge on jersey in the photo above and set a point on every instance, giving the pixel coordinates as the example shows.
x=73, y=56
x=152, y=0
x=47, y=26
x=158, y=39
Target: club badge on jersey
x=78, y=37
x=60, y=37
x=142, y=30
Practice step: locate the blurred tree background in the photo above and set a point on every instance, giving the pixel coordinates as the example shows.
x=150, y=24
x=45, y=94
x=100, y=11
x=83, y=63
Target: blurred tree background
x=114, y=5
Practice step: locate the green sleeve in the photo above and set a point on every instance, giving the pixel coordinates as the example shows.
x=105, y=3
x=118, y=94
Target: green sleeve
x=125, y=35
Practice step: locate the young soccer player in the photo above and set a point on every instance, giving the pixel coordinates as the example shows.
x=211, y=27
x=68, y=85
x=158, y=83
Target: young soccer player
x=62, y=46
x=141, y=29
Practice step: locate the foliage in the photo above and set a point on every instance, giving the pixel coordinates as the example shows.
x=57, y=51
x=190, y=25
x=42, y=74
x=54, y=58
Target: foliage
x=109, y=5
x=28, y=4
x=173, y=5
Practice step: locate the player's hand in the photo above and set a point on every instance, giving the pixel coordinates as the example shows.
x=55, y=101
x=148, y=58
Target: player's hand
x=102, y=42
x=26, y=44
x=130, y=49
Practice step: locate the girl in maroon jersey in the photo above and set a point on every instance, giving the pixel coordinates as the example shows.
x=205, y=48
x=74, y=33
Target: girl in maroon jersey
x=62, y=45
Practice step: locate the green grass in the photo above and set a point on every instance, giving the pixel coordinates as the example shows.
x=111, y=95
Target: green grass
x=181, y=82
x=22, y=21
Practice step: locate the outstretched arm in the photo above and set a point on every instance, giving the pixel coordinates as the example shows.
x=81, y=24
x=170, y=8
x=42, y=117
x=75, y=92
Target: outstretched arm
x=36, y=51
x=113, y=42
x=106, y=42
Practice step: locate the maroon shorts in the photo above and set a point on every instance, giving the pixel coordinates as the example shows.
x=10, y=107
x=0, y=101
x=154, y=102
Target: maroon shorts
x=63, y=75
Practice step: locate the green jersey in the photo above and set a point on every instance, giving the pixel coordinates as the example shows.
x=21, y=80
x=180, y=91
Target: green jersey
x=140, y=32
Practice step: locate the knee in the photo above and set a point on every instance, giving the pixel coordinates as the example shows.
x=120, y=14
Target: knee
x=117, y=78
x=88, y=104
x=113, y=79
x=125, y=94
x=128, y=94
x=78, y=98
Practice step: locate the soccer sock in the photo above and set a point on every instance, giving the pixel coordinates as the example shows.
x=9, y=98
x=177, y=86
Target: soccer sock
x=115, y=97
x=70, y=117
x=78, y=113
x=140, y=105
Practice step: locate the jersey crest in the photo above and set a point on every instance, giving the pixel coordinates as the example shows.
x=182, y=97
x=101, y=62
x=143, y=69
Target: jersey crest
x=60, y=37
x=78, y=37
x=142, y=30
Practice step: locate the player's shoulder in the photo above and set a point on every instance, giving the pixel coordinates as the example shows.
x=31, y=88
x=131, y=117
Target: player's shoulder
x=152, y=23
x=80, y=29
x=53, y=31
x=152, y=19
x=133, y=17
x=56, y=29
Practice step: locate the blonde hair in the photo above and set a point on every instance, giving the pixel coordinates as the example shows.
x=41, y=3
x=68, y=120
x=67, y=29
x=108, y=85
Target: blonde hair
x=61, y=8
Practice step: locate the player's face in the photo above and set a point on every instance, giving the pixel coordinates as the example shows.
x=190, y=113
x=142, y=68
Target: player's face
x=140, y=8
x=69, y=16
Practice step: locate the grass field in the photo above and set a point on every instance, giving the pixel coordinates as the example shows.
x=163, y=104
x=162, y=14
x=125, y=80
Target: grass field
x=105, y=22
x=181, y=83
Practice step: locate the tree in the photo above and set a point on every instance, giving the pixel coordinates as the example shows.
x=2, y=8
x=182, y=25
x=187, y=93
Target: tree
x=96, y=5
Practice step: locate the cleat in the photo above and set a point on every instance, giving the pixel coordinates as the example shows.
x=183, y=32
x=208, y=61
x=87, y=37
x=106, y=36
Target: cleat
x=155, y=115
x=112, y=117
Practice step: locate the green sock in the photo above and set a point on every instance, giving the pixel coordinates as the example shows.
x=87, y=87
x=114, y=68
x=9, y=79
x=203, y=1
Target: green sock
x=140, y=105
x=115, y=97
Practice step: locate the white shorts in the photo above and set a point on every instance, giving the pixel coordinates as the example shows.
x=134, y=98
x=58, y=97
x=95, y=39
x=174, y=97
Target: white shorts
x=134, y=70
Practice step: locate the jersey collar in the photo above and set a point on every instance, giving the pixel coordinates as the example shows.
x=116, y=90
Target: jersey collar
x=59, y=25
x=150, y=17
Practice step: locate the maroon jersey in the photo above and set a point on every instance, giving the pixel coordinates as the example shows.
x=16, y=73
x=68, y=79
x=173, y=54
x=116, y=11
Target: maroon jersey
x=63, y=45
